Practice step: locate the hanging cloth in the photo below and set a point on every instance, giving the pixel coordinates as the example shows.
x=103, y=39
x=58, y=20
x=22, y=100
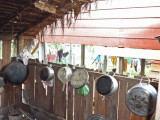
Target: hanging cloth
x=60, y=54
x=135, y=64
x=114, y=60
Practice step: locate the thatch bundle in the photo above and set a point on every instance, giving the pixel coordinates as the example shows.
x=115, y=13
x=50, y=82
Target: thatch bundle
x=45, y=6
x=64, y=14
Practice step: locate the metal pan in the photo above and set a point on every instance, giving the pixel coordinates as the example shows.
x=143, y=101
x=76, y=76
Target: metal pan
x=141, y=98
x=106, y=85
x=96, y=117
x=79, y=78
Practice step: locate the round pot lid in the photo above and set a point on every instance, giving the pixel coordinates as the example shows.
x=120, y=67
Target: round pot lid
x=140, y=101
x=79, y=78
x=104, y=85
x=96, y=117
x=64, y=74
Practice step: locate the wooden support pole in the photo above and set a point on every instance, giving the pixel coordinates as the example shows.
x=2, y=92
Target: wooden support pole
x=20, y=44
x=82, y=55
x=70, y=54
x=121, y=65
x=157, y=116
x=104, y=64
x=41, y=51
x=142, y=67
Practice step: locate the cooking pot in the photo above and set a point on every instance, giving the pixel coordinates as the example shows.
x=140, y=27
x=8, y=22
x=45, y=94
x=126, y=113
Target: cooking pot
x=47, y=73
x=64, y=75
x=96, y=117
x=79, y=78
x=141, y=99
x=106, y=85
x=84, y=90
x=16, y=72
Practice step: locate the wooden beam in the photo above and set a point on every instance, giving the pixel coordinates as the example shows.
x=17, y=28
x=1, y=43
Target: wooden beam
x=7, y=10
x=10, y=3
x=6, y=37
x=41, y=51
x=8, y=6
x=104, y=64
x=157, y=116
x=33, y=25
x=17, y=13
x=20, y=44
x=142, y=67
x=121, y=65
x=82, y=55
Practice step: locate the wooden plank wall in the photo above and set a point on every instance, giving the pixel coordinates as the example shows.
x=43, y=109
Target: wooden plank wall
x=79, y=107
x=7, y=96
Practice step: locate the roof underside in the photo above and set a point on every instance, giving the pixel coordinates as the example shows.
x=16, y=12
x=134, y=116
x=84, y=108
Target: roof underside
x=22, y=17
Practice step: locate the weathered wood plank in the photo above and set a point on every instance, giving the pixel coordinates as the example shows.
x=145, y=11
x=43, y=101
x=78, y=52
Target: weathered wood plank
x=29, y=89
x=124, y=113
x=88, y=107
x=79, y=106
x=157, y=116
x=7, y=97
x=42, y=99
x=59, y=98
x=99, y=103
x=70, y=103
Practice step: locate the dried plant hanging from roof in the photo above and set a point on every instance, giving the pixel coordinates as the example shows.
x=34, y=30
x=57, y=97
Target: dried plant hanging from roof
x=64, y=13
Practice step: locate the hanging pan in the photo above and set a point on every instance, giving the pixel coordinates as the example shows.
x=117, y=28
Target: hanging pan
x=47, y=73
x=79, y=78
x=96, y=117
x=141, y=98
x=16, y=72
x=106, y=85
x=64, y=75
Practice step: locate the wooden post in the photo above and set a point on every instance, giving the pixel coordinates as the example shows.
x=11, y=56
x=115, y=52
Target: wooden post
x=20, y=44
x=157, y=115
x=82, y=55
x=121, y=65
x=104, y=64
x=41, y=51
x=142, y=67
x=70, y=62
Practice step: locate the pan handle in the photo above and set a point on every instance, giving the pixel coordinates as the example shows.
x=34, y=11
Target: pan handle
x=143, y=78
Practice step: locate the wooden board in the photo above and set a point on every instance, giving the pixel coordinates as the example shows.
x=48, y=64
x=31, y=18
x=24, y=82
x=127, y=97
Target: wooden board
x=29, y=86
x=113, y=108
x=59, y=98
x=70, y=103
x=7, y=97
x=43, y=98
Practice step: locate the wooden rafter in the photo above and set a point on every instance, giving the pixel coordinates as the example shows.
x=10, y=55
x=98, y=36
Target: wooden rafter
x=32, y=25
x=17, y=13
x=10, y=3
x=8, y=6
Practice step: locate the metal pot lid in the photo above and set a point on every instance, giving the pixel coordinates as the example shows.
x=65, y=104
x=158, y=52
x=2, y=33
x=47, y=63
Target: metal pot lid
x=96, y=117
x=140, y=101
x=104, y=85
x=79, y=78
x=64, y=74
